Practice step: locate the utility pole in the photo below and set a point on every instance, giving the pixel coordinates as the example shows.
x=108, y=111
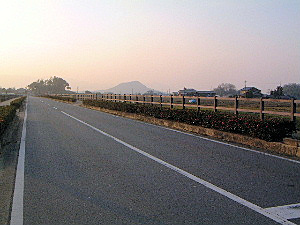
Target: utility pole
x=245, y=83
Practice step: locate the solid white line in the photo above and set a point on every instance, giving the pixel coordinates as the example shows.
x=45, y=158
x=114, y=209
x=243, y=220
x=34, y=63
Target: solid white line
x=212, y=140
x=221, y=191
x=17, y=206
x=286, y=211
x=204, y=138
x=231, y=145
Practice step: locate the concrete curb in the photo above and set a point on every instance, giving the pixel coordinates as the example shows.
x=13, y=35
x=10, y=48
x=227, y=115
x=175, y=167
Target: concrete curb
x=277, y=147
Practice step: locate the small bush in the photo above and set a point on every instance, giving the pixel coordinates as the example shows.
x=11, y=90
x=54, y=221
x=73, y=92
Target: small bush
x=274, y=129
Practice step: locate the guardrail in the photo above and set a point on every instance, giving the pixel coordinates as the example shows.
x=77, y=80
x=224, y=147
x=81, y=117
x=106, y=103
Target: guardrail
x=259, y=106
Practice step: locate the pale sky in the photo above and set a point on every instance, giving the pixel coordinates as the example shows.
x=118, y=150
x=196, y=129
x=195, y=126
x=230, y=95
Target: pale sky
x=165, y=44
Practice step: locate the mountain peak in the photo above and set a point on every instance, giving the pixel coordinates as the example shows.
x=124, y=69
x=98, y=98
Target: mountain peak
x=132, y=87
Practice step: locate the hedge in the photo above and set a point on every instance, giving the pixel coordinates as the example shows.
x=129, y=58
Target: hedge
x=272, y=129
x=67, y=99
x=7, y=113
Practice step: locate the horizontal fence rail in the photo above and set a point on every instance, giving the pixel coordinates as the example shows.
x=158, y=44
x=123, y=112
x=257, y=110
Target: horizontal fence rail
x=261, y=106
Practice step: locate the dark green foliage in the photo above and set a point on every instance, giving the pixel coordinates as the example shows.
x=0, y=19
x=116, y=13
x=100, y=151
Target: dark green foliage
x=67, y=99
x=274, y=129
x=18, y=102
x=7, y=113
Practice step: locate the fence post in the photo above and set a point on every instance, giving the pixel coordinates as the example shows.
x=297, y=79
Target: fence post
x=262, y=108
x=236, y=105
x=215, y=103
x=160, y=100
x=171, y=101
x=198, y=103
x=183, y=102
x=130, y=98
x=151, y=100
x=293, y=110
x=144, y=99
x=137, y=98
x=124, y=97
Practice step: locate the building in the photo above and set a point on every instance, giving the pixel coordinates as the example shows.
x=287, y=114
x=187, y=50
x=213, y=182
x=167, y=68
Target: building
x=250, y=92
x=193, y=92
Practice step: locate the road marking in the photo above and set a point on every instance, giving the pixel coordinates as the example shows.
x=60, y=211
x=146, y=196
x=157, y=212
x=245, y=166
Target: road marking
x=211, y=140
x=286, y=211
x=211, y=186
x=17, y=206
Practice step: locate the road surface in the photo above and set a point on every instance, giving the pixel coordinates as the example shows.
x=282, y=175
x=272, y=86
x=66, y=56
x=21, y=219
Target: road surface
x=88, y=167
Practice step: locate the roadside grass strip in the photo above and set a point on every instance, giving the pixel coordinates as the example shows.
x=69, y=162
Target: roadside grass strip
x=268, y=213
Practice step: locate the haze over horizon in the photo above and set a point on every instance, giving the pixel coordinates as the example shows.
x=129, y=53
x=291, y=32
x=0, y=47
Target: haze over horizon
x=95, y=45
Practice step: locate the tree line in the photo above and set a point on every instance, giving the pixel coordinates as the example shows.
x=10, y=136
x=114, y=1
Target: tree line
x=291, y=90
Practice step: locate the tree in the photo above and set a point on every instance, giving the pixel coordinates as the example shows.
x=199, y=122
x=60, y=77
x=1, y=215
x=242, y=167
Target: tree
x=226, y=89
x=54, y=85
x=278, y=92
x=292, y=89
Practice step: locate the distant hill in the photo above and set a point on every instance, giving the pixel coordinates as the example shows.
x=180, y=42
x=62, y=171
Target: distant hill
x=134, y=87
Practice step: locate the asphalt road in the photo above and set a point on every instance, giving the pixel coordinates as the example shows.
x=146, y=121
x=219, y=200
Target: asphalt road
x=88, y=167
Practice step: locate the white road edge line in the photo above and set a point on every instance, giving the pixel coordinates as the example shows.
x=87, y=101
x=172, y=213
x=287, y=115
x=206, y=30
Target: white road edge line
x=286, y=211
x=207, y=139
x=17, y=205
x=221, y=191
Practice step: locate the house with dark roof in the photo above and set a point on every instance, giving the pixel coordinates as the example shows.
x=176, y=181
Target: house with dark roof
x=193, y=92
x=250, y=92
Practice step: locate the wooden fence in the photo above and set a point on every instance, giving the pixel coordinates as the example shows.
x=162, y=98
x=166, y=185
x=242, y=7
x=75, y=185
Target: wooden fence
x=261, y=106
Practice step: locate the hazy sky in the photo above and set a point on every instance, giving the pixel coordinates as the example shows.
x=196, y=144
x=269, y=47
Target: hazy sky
x=165, y=44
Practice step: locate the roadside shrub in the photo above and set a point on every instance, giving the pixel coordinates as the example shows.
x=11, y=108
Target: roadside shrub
x=18, y=102
x=274, y=129
x=7, y=113
x=67, y=99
